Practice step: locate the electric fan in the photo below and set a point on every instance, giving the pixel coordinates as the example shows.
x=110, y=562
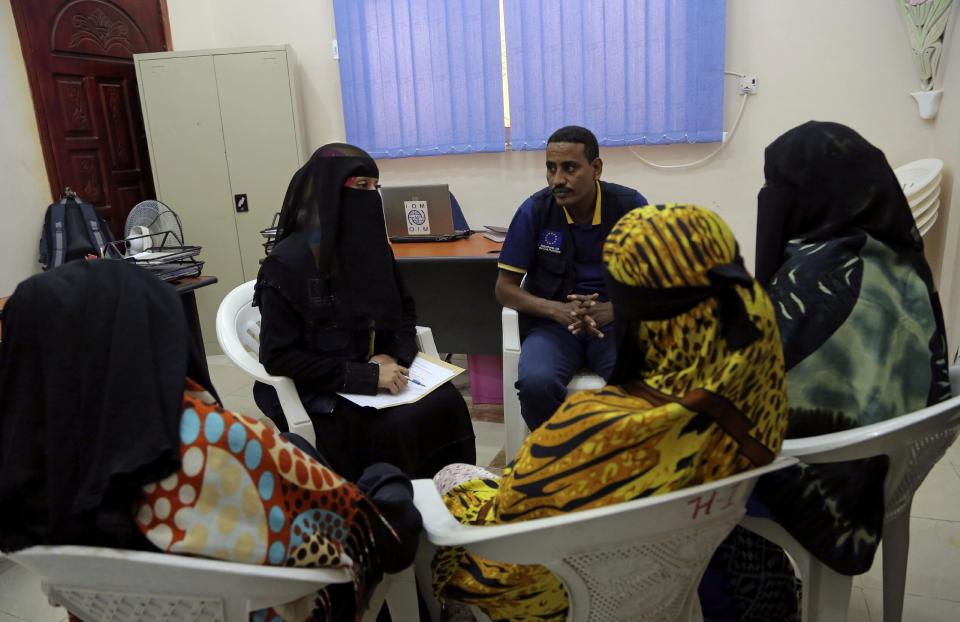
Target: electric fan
x=151, y=218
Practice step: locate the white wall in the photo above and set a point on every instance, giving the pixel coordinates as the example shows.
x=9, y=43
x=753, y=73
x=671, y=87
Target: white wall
x=944, y=240
x=24, y=190
x=818, y=59
x=307, y=25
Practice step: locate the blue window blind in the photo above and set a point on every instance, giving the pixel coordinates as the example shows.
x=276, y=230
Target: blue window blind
x=632, y=71
x=421, y=77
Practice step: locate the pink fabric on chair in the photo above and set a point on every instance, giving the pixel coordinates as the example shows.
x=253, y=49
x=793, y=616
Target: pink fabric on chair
x=486, y=378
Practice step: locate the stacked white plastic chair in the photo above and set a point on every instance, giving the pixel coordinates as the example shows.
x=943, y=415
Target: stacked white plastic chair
x=639, y=561
x=914, y=443
x=238, y=331
x=515, y=428
x=920, y=181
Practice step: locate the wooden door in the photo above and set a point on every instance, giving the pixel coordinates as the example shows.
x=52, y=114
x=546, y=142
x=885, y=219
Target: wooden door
x=79, y=56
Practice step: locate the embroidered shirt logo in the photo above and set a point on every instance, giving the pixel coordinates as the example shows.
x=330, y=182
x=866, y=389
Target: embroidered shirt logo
x=550, y=241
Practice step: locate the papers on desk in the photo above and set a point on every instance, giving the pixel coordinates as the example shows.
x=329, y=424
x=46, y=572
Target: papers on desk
x=495, y=234
x=426, y=374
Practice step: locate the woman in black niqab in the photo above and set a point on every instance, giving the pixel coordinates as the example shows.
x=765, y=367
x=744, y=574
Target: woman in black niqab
x=331, y=236
x=334, y=311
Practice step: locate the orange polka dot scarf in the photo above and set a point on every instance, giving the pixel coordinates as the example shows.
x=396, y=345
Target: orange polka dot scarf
x=244, y=494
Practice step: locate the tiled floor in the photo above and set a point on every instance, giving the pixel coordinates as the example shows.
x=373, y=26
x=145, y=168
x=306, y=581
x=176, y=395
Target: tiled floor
x=933, y=574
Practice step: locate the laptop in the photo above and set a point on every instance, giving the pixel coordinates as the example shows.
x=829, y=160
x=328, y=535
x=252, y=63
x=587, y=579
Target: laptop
x=419, y=214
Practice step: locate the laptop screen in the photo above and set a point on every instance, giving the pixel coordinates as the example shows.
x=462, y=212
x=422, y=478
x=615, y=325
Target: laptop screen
x=417, y=211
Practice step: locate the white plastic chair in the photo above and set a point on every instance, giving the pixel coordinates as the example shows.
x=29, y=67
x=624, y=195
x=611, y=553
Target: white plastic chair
x=110, y=585
x=238, y=331
x=914, y=443
x=515, y=428
x=639, y=561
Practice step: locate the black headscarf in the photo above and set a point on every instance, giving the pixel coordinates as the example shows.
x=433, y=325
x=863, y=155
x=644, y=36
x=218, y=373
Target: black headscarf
x=824, y=182
x=824, y=179
x=332, y=261
x=92, y=372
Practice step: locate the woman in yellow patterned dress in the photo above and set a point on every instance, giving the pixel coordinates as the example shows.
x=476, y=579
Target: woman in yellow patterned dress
x=697, y=395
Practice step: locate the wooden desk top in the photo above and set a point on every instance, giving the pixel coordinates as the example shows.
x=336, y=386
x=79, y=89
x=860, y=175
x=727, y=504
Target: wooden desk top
x=474, y=248
x=190, y=283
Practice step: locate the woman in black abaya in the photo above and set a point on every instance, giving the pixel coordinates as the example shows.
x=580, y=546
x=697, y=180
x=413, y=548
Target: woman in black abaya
x=336, y=317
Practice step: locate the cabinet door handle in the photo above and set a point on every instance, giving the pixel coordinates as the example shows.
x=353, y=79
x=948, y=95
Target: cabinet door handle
x=240, y=203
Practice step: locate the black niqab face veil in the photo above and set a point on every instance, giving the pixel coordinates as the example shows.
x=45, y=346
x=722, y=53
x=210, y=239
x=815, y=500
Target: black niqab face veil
x=332, y=261
x=824, y=179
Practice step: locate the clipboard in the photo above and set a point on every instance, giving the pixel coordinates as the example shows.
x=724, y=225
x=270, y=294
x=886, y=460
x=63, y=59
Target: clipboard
x=429, y=371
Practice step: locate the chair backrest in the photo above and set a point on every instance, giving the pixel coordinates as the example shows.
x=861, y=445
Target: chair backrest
x=109, y=584
x=639, y=561
x=459, y=220
x=238, y=330
x=914, y=443
x=240, y=319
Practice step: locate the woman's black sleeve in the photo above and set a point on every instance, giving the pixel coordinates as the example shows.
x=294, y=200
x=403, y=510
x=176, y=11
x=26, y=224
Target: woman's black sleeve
x=391, y=491
x=282, y=353
x=401, y=344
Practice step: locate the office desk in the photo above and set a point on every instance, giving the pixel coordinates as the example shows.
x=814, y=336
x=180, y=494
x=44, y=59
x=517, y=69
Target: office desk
x=187, y=287
x=452, y=284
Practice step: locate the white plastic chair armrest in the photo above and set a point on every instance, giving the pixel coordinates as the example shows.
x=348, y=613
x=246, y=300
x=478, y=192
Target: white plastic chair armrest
x=515, y=541
x=108, y=573
x=425, y=342
x=293, y=411
x=875, y=439
x=878, y=438
x=493, y=541
x=47, y=552
x=511, y=330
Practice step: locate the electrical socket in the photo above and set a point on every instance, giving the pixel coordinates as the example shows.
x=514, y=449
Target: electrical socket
x=748, y=85
x=335, y=48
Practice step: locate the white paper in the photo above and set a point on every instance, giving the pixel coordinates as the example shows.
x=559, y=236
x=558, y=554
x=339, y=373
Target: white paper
x=425, y=376
x=148, y=256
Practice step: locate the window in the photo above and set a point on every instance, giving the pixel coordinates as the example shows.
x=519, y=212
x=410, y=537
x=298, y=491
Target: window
x=423, y=77
x=632, y=71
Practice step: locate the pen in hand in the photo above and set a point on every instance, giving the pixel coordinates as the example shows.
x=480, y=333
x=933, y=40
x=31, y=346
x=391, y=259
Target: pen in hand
x=416, y=382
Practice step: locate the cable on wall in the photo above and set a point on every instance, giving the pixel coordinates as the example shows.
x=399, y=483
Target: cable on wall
x=733, y=129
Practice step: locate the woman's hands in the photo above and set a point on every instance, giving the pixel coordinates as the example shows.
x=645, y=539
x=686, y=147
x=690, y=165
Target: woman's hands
x=393, y=376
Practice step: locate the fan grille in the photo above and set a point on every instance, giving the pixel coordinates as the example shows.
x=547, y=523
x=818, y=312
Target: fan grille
x=157, y=218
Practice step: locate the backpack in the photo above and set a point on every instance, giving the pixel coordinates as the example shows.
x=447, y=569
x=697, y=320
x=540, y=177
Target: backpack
x=72, y=230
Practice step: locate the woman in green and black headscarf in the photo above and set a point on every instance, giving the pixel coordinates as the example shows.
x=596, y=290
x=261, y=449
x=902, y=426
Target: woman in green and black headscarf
x=863, y=341
x=860, y=320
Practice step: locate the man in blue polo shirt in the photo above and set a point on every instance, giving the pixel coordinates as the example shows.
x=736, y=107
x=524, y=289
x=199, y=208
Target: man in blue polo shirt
x=556, y=240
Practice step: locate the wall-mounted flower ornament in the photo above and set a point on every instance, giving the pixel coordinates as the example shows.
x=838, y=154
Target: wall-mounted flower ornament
x=926, y=22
